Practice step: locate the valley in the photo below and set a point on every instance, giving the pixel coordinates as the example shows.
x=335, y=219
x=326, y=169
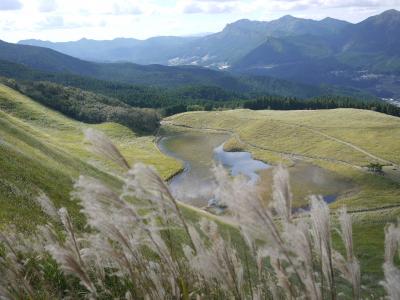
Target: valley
x=258, y=162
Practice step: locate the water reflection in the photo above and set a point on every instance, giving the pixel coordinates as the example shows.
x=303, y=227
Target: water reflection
x=199, y=152
x=240, y=163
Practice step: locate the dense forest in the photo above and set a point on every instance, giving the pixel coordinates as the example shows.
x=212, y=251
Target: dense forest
x=87, y=106
x=324, y=102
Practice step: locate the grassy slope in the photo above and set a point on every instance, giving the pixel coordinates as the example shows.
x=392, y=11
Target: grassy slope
x=303, y=133
x=295, y=132
x=42, y=150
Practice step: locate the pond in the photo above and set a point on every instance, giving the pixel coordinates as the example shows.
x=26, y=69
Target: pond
x=240, y=163
x=200, y=151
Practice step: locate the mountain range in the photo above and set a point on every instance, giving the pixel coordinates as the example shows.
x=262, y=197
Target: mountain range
x=241, y=39
x=213, y=50
x=365, y=55
x=26, y=62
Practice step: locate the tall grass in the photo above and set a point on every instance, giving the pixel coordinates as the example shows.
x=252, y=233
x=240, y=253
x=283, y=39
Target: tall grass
x=139, y=245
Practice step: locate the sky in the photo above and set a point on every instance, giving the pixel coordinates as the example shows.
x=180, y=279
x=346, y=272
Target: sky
x=69, y=20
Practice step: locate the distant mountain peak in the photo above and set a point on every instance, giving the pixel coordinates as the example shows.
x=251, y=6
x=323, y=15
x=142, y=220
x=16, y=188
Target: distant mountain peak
x=287, y=18
x=329, y=19
x=390, y=12
x=243, y=24
x=332, y=21
x=388, y=17
x=242, y=21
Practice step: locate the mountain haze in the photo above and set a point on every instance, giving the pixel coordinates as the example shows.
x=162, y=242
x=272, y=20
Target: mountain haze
x=211, y=50
x=38, y=63
x=363, y=56
x=374, y=40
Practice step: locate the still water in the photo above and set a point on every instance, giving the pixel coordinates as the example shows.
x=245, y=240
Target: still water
x=199, y=153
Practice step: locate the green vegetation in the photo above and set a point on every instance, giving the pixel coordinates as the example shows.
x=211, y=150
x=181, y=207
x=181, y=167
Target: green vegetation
x=375, y=168
x=43, y=151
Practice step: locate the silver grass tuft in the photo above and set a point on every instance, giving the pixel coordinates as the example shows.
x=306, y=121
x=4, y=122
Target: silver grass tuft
x=321, y=231
x=352, y=267
x=102, y=145
x=391, y=272
x=281, y=193
x=47, y=206
x=68, y=254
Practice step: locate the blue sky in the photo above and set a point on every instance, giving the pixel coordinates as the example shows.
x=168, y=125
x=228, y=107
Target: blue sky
x=65, y=20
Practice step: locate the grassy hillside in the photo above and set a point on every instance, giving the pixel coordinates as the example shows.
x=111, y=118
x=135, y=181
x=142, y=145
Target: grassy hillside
x=44, y=151
x=305, y=132
x=342, y=140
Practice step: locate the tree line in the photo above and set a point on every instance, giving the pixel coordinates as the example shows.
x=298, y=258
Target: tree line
x=140, y=107
x=323, y=102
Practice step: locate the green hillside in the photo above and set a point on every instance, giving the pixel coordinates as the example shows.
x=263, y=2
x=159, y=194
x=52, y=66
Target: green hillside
x=44, y=151
x=341, y=142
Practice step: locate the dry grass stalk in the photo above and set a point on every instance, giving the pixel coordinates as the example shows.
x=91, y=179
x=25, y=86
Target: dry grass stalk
x=351, y=266
x=47, y=206
x=102, y=145
x=391, y=271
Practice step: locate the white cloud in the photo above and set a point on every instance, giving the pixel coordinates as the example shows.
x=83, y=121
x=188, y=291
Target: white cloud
x=209, y=6
x=192, y=8
x=59, y=22
x=320, y=4
x=47, y=5
x=127, y=8
x=53, y=22
x=100, y=19
x=10, y=5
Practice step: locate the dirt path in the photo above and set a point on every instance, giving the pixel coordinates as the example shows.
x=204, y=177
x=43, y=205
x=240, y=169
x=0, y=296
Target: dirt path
x=359, y=149
x=348, y=144
x=287, y=154
x=232, y=222
x=299, y=156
